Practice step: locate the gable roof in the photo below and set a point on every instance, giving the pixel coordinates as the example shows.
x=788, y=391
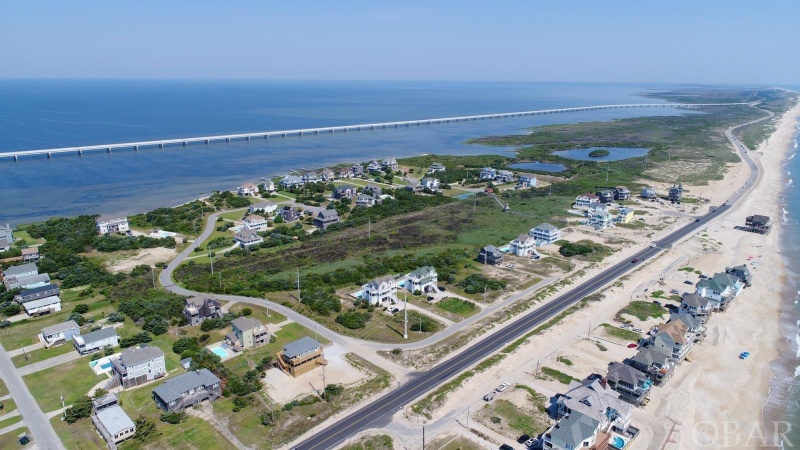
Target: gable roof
x=378, y=280
x=263, y=205
x=422, y=271
x=647, y=356
x=620, y=372
x=133, y=356
x=52, y=300
x=99, y=335
x=344, y=188
x=574, y=429
x=59, y=327
x=303, y=345
x=114, y=419
x=689, y=320
x=245, y=323
x=254, y=218
x=23, y=268
x=695, y=300
x=675, y=330
x=712, y=284
x=490, y=249
x=593, y=397
x=173, y=388
x=523, y=238
x=328, y=214
x=546, y=227
x=38, y=290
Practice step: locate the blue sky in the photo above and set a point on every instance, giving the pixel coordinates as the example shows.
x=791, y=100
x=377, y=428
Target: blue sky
x=678, y=41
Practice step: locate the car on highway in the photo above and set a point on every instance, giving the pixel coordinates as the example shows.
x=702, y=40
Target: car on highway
x=697, y=220
x=652, y=245
x=634, y=260
x=674, y=291
x=503, y=387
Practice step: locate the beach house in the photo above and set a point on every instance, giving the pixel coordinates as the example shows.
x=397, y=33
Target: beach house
x=312, y=177
x=573, y=432
x=742, y=273
x=186, y=390
x=7, y=234
x=545, y=234
x=373, y=190
x=605, y=195
x=60, y=333
x=326, y=218
x=676, y=193
x=42, y=306
x=301, y=356
x=490, y=255
x=197, y=309
x=263, y=208
x=758, y=224
x=389, y=164
x=632, y=384
x=422, y=280
x=504, y=176
x=621, y=193
x=657, y=365
x=594, y=398
x=373, y=166
x=380, y=290
x=288, y=214
x=255, y=222
x=586, y=200
x=357, y=170
x=365, y=201
x=4, y=245
x=327, y=175
x=696, y=305
x=40, y=292
x=720, y=289
x=135, y=366
x=672, y=339
x=694, y=324
x=248, y=189
x=290, y=181
x=268, y=186
x=599, y=217
x=436, y=167
x=430, y=183
x=344, y=191
x=96, y=340
x=526, y=180
x=648, y=193
x=112, y=224
x=113, y=424
x=488, y=173
x=26, y=282
x=245, y=238
x=523, y=245
x=624, y=215
x=248, y=333
x=30, y=254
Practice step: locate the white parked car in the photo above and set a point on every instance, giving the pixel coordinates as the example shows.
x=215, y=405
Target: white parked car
x=503, y=387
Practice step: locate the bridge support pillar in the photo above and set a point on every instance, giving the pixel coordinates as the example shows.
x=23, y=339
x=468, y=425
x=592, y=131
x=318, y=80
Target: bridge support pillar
x=266, y=136
x=247, y=138
x=227, y=139
x=16, y=158
x=283, y=134
x=49, y=155
x=161, y=145
x=80, y=152
x=108, y=149
x=207, y=141
x=184, y=143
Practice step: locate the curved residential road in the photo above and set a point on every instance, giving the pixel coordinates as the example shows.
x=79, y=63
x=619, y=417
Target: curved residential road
x=426, y=381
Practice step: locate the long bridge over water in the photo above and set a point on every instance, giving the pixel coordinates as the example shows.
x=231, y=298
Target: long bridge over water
x=16, y=155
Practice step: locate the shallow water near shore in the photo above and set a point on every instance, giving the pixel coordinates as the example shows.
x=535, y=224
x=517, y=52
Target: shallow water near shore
x=58, y=113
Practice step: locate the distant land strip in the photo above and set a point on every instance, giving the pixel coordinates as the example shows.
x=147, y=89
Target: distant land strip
x=16, y=155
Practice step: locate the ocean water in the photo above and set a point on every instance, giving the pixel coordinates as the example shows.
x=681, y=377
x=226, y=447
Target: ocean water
x=55, y=113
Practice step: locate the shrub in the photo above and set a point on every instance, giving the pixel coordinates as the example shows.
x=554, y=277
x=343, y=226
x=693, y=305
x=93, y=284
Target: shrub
x=116, y=317
x=77, y=318
x=108, y=350
x=80, y=409
x=12, y=310
x=353, y=320
x=145, y=429
x=477, y=283
x=247, y=311
x=139, y=338
x=82, y=308
x=173, y=417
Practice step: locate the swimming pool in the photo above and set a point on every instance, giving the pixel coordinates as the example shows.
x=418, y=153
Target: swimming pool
x=464, y=196
x=618, y=442
x=219, y=351
x=105, y=366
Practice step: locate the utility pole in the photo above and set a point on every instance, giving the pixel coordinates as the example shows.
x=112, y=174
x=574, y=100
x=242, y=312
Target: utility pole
x=423, y=437
x=536, y=374
x=316, y=338
x=324, y=382
x=405, y=316
x=266, y=301
x=211, y=259
x=153, y=273
x=369, y=227
x=608, y=168
x=220, y=279
x=467, y=417
x=645, y=162
x=298, y=284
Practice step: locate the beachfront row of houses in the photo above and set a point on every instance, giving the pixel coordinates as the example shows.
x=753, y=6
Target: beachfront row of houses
x=37, y=295
x=384, y=289
x=597, y=410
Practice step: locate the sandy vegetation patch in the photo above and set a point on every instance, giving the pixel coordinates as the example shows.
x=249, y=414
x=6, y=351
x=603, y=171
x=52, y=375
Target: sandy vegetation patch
x=675, y=170
x=126, y=261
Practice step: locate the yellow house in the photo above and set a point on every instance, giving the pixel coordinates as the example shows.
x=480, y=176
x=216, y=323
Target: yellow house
x=624, y=215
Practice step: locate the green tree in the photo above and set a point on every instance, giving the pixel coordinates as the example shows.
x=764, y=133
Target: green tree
x=80, y=409
x=145, y=429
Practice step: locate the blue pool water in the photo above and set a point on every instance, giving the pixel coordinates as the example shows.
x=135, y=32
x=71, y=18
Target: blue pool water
x=536, y=165
x=105, y=366
x=614, y=153
x=219, y=351
x=617, y=442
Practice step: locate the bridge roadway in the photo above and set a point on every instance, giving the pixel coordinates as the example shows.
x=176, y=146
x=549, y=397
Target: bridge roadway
x=15, y=155
x=383, y=407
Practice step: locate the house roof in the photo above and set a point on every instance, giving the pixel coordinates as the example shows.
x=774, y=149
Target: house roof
x=689, y=320
x=4, y=243
x=114, y=420
x=173, y=388
x=23, y=268
x=622, y=189
x=246, y=323
x=109, y=218
x=264, y=205
x=344, y=188
x=588, y=195
x=574, y=429
x=328, y=214
x=648, y=356
x=592, y=396
x=759, y=219
x=38, y=290
x=422, y=271
x=52, y=300
x=29, y=280
x=620, y=372
x=99, y=335
x=384, y=279
x=133, y=356
x=30, y=251
x=675, y=330
x=546, y=227
x=695, y=300
x=303, y=345
x=523, y=237
x=248, y=235
x=248, y=186
x=364, y=198
x=59, y=327
x=254, y=218
x=490, y=249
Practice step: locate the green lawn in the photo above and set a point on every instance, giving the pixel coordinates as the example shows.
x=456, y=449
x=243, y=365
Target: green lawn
x=3, y=388
x=8, y=422
x=9, y=440
x=457, y=306
x=251, y=357
x=42, y=354
x=8, y=406
x=642, y=310
x=259, y=313
x=20, y=234
x=557, y=375
x=80, y=435
x=24, y=332
x=73, y=379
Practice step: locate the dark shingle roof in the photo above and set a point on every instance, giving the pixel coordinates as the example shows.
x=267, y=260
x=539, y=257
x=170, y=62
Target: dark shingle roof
x=38, y=290
x=173, y=388
x=59, y=327
x=99, y=335
x=133, y=356
x=16, y=270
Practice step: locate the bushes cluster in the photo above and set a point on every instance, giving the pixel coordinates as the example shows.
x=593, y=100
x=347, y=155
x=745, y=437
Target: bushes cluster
x=353, y=319
x=320, y=300
x=581, y=248
x=477, y=283
x=110, y=243
x=138, y=338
